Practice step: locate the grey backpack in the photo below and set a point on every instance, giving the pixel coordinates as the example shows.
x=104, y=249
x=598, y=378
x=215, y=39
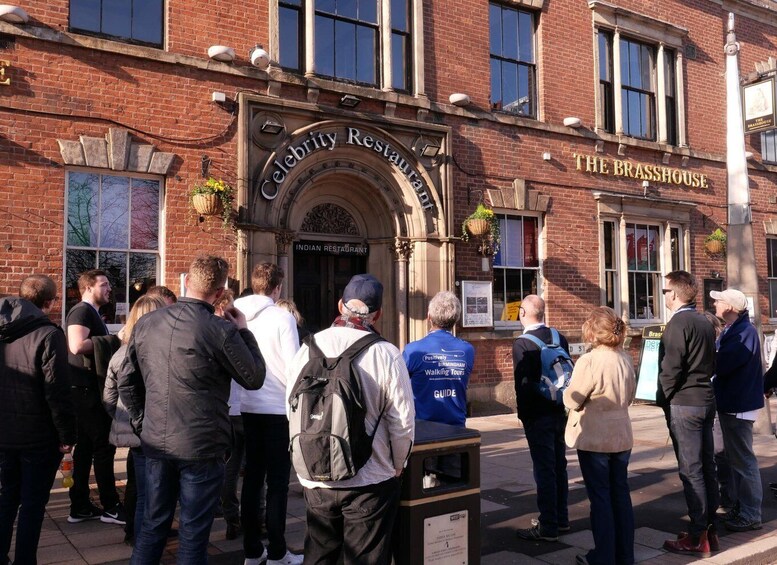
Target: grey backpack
x=329, y=440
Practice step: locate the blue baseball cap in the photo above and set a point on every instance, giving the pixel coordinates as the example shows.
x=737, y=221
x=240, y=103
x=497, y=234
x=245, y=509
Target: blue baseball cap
x=366, y=288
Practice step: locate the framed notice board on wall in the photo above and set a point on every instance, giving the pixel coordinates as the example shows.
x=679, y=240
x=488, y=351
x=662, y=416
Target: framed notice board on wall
x=647, y=371
x=709, y=286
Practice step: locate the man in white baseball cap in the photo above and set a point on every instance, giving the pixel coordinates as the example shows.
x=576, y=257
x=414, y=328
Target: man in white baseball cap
x=739, y=387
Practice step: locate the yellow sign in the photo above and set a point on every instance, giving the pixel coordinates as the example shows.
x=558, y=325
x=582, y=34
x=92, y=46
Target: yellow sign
x=3, y=79
x=655, y=173
x=510, y=312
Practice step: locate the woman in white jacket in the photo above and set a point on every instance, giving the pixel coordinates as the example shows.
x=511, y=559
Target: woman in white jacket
x=598, y=397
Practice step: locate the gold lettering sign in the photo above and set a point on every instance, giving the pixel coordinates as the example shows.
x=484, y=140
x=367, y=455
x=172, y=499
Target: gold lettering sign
x=639, y=171
x=3, y=79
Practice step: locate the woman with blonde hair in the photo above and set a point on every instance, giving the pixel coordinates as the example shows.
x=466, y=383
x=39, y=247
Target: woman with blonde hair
x=122, y=434
x=598, y=397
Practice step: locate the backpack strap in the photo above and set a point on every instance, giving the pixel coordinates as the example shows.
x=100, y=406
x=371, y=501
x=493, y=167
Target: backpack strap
x=315, y=352
x=555, y=337
x=535, y=340
x=360, y=345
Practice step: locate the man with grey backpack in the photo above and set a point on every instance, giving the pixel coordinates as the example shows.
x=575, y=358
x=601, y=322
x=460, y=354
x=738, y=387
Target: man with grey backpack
x=542, y=367
x=347, y=381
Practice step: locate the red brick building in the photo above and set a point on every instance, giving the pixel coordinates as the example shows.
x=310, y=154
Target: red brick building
x=595, y=130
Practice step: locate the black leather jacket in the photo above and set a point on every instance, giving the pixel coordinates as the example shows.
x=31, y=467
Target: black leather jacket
x=36, y=410
x=176, y=377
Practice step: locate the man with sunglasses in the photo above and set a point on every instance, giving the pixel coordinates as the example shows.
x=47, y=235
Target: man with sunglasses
x=686, y=358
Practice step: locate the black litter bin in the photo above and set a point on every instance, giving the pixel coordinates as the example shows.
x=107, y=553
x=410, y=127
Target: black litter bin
x=439, y=508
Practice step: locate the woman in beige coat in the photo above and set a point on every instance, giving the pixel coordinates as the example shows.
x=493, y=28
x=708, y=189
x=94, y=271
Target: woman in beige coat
x=598, y=397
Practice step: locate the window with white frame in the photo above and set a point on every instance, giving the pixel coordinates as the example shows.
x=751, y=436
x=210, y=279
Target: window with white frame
x=133, y=21
x=368, y=42
x=639, y=66
x=516, y=263
x=769, y=146
x=771, y=263
x=113, y=224
x=640, y=244
x=513, y=64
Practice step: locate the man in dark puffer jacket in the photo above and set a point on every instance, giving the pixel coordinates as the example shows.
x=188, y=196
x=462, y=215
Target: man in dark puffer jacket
x=175, y=383
x=37, y=418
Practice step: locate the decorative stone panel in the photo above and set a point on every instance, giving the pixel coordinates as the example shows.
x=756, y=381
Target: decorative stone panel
x=518, y=197
x=117, y=152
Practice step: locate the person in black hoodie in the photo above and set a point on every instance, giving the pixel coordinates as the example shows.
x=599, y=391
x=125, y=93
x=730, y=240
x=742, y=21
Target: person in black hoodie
x=37, y=418
x=686, y=359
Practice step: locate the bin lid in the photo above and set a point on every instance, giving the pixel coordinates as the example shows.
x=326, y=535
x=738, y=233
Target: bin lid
x=431, y=432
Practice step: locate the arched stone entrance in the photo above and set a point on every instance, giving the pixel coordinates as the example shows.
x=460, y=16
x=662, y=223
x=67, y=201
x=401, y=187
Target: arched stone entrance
x=327, y=198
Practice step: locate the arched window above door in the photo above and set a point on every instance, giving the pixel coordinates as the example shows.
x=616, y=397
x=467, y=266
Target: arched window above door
x=329, y=218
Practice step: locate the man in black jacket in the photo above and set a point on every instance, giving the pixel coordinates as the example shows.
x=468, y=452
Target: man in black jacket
x=36, y=412
x=175, y=383
x=686, y=358
x=543, y=422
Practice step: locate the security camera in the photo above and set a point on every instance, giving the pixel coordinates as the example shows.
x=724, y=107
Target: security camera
x=259, y=57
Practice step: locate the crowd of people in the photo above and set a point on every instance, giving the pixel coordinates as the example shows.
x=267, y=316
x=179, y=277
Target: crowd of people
x=203, y=388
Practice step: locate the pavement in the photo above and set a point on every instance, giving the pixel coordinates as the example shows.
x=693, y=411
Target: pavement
x=507, y=502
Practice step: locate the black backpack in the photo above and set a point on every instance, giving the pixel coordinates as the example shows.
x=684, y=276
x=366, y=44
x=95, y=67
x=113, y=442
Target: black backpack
x=329, y=440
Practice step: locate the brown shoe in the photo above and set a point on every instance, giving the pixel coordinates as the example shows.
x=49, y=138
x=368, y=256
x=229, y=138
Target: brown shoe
x=712, y=537
x=685, y=546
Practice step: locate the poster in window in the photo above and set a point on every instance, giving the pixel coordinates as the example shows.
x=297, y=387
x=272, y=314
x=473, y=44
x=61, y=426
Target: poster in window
x=477, y=303
x=758, y=106
x=647, y=373
x=710, y=285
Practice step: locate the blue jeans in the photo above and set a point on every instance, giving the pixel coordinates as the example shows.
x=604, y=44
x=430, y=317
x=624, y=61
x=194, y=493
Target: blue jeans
x=545, y=436
x=738, y=439
x=691, y=428
x=723, y=468
x=26, y=478
x=267, y=456
x=612, y=516
x=196, y=484
x=139, y=464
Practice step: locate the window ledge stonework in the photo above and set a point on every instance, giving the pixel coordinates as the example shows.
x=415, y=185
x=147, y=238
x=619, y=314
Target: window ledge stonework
x=534, y=4
x=656, y=209
x=646, y=27
x=116, y=152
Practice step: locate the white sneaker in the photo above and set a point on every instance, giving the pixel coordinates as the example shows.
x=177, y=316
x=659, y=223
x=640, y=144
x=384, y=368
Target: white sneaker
x=288, y=559
x=257, y=560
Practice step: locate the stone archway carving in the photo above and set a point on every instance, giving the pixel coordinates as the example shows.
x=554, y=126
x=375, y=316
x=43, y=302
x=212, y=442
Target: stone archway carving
x=329, y=218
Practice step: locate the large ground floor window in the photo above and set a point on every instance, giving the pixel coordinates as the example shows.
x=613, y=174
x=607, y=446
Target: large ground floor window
x=113, y=225
x=516, y=265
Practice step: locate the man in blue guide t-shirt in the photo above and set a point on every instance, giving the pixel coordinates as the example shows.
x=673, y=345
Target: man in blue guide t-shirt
x=440, y=364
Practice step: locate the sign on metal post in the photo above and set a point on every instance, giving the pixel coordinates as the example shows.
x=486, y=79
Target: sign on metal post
x=758, y=106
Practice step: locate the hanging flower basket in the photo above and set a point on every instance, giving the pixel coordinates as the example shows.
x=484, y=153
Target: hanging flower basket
x=478, y=226
x=207, y=204
x=213, y=198
x=715, y=243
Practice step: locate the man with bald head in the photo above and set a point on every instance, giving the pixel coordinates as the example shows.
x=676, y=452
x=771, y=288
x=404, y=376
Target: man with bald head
x=544, y=422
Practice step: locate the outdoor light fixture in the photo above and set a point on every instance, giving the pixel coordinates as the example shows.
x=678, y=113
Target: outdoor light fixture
x=259, y=57
x=349, y=101
x=573, y=122
x=546, y=156
x=430, y=150
x=13, y=14
x=271, y=127
x=459, y=99
x=749, y=155
x=221, y=53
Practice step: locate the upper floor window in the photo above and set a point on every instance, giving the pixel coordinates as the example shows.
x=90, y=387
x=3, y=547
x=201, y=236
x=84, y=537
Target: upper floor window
x=135, y=21
x=516, y=264
x=640, y=75
x=113, y=225
x=769, y=146
x=345, y=40
x=513, y=65
x=771, y=263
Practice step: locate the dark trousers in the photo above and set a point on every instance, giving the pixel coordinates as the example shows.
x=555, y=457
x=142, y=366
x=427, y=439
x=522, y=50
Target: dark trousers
x=723, y=468
x=353, y=524
x=26, y=478
x=139, y=467
x=94, y=426
x=230, y=504
x=196, y=484
x=612, y=516
x=545, y=437
x=267, y=456
x=691, y=432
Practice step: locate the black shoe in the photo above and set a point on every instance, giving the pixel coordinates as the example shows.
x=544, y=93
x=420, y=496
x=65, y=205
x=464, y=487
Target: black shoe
x=581, y=559
x=91, y=512
x=234, y=530
x=534, y=534
x=561, y=529
x=114, y=516
x=740, y=524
